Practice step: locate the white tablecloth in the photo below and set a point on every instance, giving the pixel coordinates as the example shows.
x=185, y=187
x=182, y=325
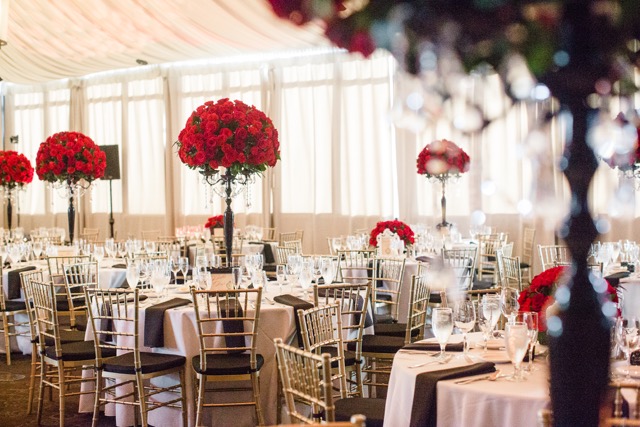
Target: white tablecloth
x=108, y=278
x=481, y=404
x=181, y=337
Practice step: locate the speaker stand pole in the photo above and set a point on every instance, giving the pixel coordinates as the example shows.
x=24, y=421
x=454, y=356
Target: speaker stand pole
x=111, y=220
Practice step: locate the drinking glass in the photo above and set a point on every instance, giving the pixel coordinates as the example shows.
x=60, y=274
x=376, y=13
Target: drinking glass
x=509, y=303
x=184, y=267
x=626, y=335
x=305, y=277
x=464, y=318
x=110, y=247
x=236, y=272
x=133, y=275
x=37, y=249
x=530, y=318
x=201, y=262
x=215, y=261
x=174, y=262
x=281, y=276
x=442, y=326
x=516, y=337
x=98, y=253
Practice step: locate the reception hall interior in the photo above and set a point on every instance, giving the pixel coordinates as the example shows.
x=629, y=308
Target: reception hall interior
x=342, y=212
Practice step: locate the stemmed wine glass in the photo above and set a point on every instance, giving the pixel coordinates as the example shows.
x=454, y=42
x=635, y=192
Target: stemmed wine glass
x=442, y=325
x=530, y=318
x=175, y=267
x=37, y=248
x=516, y=337
x=464, y=317
x=281, y=275
x=236, y=273
x=305, y=277
x=133, y=274
x=184, y=267
x=488, y=315
x=509, y=303
x=627, y=338
x=98, y=253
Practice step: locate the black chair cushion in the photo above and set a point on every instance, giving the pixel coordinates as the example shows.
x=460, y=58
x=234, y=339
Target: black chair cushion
x=371, y=408
x=379, y=344
x=11, y=305
x=81, y=323
x=524, y=265
x=393, y=329
x=227, y=364
x=79, y=350
x=151, y=362
x=349, y=356
x=62, y=303
x=482, y=284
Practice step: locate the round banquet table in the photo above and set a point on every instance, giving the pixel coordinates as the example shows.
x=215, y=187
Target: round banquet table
x=500, y=403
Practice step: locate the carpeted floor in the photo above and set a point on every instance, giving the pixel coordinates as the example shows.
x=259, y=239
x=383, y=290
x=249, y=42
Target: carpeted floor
x=13, y=401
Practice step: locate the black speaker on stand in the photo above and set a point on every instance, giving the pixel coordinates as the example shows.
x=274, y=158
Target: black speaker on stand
x=111, y=172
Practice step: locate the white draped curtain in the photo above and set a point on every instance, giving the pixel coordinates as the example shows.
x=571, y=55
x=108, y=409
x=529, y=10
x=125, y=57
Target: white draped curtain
x=345, y=165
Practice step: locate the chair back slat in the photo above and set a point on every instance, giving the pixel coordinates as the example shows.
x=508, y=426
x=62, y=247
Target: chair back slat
x=418, y=307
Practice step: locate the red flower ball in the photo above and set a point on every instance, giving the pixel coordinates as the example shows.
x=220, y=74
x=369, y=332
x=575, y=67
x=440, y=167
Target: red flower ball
x=229, y=134
x=400, y=228
x=70, y=157
x=15, y=169
x=442, y=157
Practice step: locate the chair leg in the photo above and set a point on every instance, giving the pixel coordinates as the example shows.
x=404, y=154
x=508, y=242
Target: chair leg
x=142, y=400
x=202, y=381
x=96, y=398
x=7, y=343
x=255, y=384
x=43, y=368
x=183, y=397
x=61, y=391
x=32, y=378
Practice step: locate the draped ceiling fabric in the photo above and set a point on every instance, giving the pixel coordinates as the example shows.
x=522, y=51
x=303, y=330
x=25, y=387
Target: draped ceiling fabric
x=50, y=40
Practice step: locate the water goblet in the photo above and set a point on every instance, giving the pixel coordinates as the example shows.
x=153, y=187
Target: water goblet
x=509, y=303
x=37, y=248
x=516, y=337
x=305, y=277
x=236, y=273
x=133, y=274
x=281, y=275
x=464, y=317
x=98, y=253
x=530, y=318
x=184, y=267
x=442, y=325
x=627, y=338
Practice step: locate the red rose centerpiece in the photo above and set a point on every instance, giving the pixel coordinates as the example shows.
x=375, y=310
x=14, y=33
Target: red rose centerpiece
x=539, y=295
x=216, y=221
x=234, y=136
x=71, y=161
x=404, y=232
x=15, y=172
x=440, y=161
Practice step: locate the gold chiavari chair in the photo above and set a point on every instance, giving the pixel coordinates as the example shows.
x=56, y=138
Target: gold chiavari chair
x=388, y=275
x=282, y=254
x=10, y=326
x=526, y=260
x=553, y=255
x=353, y=300
x=296, y=244
x=379, y=350
x=56, y=265
x=227, y=325
x=307, y=377
x=287, y=236
x=59, y=361
x=91, y=235
x=269, y=234
x=114, y=315
x=486, y=263
x=356, y=266
x=511, y=276
x=66, y=336
x=77, y=277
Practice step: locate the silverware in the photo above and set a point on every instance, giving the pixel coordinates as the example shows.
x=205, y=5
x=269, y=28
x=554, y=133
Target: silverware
x=490, y=377
x=441, y=361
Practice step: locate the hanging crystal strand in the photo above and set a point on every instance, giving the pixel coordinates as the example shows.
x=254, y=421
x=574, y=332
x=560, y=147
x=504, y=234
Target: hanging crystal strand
x=247, y=195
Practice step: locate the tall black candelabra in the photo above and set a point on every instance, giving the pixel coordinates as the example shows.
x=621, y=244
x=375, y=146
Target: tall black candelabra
x=71, y=213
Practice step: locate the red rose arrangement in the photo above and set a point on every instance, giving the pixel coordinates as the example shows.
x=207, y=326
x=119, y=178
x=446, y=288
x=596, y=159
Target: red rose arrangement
x=216, y=221
x=70, y=157
x=229, y=134
x=442, y=157
x=539, y=295
x=15, y=169
x=400, y=228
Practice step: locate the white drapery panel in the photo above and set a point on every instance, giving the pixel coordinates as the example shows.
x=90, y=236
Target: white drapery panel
x=344, y=164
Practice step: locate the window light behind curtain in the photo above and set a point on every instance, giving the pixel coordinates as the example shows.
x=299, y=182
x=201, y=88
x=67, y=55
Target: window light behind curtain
x=344, y=166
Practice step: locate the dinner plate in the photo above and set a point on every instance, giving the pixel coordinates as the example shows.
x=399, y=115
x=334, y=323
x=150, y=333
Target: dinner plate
x=495, y=357
x=634, y=371
x=180, y=290
x=495, y=344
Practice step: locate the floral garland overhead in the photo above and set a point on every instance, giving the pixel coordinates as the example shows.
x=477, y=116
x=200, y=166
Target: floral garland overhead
x=70, y=157
x=15, y=170
x=442, y=157
x=229, y=134
x=404, y=232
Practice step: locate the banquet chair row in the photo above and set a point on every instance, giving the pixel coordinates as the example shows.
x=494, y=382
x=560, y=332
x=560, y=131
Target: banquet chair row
x=526, y=260
x=290, y=235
